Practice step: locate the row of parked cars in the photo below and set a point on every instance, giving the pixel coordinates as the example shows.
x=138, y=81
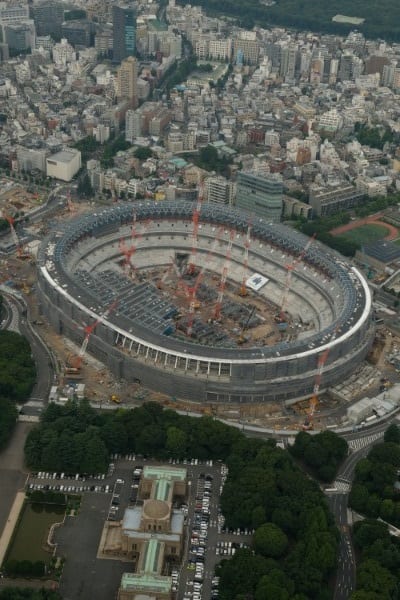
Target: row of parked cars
x=199, y=536
x=69, y=488
x=76, y=476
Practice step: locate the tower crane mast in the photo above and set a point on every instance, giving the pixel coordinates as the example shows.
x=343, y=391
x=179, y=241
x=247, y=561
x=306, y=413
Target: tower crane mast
x=14, y=236
x=88, y=330
x=323, y=357
x=224, y=275
x=195, y=221
x=243, y=290
x=290, y=268
x=192, y=291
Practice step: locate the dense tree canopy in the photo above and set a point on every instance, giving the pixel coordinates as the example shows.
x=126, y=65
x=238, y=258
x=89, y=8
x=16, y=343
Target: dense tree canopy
x=315, y=16
x=378, y=561
x=322, y=453
x=17, y=376
x=17, y=369
x=75, y=438
x=16, y=593
x=265, y=490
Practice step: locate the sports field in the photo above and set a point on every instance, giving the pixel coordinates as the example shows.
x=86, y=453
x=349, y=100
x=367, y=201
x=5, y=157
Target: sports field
x=366, y=234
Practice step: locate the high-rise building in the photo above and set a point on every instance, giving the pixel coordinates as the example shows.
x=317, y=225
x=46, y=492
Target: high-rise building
x=133, y=125
x=78, y=33
x=261, y=195
x=124, y=32
x=219, y=190
x=48, y=16
x=127, y=80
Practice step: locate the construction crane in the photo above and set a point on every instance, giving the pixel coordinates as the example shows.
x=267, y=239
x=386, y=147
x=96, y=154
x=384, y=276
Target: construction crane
x=290, y=268
x=88, y=330
x=323, y=357
x=71, y=206
x=222, y=283
x=129, y=250
x=192, y=291
x=20, y=251
x=241, y=339
x=243, y=289
x=195, y=220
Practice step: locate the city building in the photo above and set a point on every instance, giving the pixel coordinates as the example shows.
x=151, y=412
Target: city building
x=78, y=33
x=246, y=48
x=63, y=53
x=31, y=158
x=220, y=190
x=261, y=195
x=48, y=16
x=127, y=80
x=330, y=200
x=124, y=32
x=64, y=165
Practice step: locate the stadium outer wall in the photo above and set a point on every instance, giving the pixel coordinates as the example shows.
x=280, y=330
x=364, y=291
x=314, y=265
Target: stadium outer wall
x=190, y=373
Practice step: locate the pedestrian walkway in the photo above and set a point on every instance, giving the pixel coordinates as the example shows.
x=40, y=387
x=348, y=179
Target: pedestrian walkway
x=365, y=441
x=10, y=525
x=342, y=486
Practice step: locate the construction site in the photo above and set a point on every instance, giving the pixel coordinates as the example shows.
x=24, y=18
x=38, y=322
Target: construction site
x=196, y=303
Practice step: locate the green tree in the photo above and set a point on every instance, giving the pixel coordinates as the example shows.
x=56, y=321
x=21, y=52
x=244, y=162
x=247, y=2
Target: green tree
x=85, y=189
x=176, y=444
x=270, y=541
x=143, y=153
x=372, y=577
x=392, y=434
x=17, y=368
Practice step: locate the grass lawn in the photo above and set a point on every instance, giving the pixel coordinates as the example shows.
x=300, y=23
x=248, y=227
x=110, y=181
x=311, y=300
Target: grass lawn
x=30, y=537
x=366, y=234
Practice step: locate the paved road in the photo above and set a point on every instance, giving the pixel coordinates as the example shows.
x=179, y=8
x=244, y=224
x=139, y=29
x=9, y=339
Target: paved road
x=338, y=502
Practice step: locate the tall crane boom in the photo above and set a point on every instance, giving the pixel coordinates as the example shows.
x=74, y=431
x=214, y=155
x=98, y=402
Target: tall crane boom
x=195, y=221
x=129, y=251
x=88, y=330
x=243, y=290
x=290, y=268
x=224, y=275
x=192, y=291
x=14, y=235
x=323, y=357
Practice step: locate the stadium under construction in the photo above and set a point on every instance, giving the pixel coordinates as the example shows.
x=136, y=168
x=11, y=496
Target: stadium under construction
x=199, y=302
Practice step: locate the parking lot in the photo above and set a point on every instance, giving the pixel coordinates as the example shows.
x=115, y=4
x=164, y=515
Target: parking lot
x=105, y=497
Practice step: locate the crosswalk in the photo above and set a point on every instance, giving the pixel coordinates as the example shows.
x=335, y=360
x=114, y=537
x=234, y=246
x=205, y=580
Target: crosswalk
x=342, y=486
x=365, y=441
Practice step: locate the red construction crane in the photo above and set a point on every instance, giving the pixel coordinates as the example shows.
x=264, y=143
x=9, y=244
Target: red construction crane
x=129, y=250
x=11, y=221
x=71, y=206
x=192, y=291
x=290, y=268
x=322, y=358
x=222, y=283
x=243, y=289
x=195, y=220
x=89, y=329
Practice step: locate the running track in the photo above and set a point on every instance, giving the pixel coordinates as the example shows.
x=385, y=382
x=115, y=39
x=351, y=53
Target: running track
x=372, y=219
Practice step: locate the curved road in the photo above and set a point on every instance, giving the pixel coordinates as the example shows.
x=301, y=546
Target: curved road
x=17, y=319
x=338, y=502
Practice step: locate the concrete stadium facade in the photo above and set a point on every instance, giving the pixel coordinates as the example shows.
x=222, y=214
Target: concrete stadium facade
x=325, y=290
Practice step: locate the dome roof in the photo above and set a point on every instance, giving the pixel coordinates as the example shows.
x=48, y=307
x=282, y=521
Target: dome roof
x=156, y=509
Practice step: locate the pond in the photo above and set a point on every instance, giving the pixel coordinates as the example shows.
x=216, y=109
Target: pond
x=30, y=537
